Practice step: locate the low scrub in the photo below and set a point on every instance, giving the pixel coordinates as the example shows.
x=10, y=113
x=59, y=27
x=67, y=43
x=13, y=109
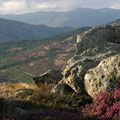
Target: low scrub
x=106, y=106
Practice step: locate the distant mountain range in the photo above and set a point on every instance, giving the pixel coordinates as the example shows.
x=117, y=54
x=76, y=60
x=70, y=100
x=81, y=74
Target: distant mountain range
x=76, y=18
x=13, y=30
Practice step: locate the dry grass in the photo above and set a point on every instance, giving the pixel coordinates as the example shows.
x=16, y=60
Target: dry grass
x=41, y=99
x=7, y=90
x=16, y=86
x=41, y=96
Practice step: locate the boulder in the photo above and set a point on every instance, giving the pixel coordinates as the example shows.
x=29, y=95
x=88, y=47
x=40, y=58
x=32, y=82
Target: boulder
x=106, y=76
x=74, y=74
x=62, y=89
x=51, y=76
x=92, y=47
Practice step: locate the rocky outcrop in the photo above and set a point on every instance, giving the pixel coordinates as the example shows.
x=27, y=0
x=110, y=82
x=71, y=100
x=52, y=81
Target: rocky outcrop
x=105, y=76
x=74, y=74
x=62, y=88
x=51, y=76
x=92, y=47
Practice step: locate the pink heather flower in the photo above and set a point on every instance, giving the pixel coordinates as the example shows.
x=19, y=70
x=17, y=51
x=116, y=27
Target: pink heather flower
x=105, y=106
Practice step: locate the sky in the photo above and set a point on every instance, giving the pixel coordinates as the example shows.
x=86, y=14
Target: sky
x=24, y=6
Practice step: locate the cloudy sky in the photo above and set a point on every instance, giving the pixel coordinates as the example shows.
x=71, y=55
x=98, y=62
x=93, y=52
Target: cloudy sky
x=23, y=6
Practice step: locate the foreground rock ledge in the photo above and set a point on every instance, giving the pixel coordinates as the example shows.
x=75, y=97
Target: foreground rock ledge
x=104, y=77
x=93, y=46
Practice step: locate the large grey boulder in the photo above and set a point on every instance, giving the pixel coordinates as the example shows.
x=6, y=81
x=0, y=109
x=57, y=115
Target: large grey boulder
x=106, y=76
x=92, y=47
x=74, y=74
x=51, y=76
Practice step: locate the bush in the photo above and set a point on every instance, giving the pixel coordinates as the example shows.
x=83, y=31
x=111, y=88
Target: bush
x=105, y=106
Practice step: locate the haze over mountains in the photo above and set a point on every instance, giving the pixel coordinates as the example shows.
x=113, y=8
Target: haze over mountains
x=75, y=18
x=59, y=59
x=14, y=30
x=43, y=25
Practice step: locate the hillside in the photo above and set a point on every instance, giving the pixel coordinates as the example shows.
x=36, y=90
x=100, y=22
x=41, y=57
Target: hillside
x=75, y=18
x=87, y=88
x=14, y=30
x=19, y=58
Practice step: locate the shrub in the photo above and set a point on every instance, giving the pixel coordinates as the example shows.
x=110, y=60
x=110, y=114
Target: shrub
x=105, y=106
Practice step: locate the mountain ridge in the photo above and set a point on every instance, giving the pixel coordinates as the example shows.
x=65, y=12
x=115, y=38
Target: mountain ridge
x=14, y=30
x=79, y=17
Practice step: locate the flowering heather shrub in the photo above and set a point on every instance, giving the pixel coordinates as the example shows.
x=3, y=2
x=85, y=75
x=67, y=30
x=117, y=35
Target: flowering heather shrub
x=105, y=106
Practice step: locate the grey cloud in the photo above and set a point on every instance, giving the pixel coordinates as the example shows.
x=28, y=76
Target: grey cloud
x=53, y=5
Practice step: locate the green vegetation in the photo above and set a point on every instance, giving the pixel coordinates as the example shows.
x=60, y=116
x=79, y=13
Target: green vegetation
x=19, y=55
x=17, y=75
x=41, y=104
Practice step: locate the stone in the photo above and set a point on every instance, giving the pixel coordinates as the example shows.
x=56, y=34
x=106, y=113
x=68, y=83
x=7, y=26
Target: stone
x=92, y=47
x=74, y=74
x=104, y=77
x=49, y=77
x=62, y=89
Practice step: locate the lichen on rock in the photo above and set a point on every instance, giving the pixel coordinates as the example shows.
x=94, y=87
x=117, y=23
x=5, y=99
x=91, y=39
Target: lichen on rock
x=93, y=46
x=105, y=76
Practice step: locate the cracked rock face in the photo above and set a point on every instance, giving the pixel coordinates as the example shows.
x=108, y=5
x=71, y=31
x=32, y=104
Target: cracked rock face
x=92, y=47
x=105, y=76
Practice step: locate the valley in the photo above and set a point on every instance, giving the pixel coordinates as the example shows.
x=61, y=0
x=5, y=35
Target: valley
x=19, y=58
x=59, y=60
